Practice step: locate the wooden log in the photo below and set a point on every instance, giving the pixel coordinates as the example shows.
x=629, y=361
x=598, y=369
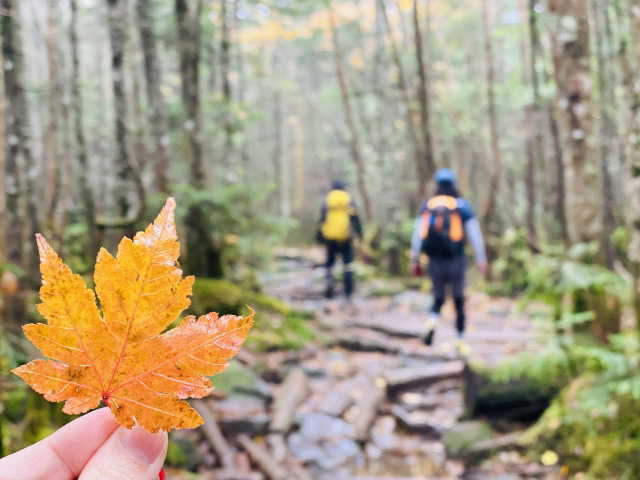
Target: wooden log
x=341, y=397
x=404, y=378
x=367, y=342
x=263, y=459
x=294, y=390
x=214, y=435
x=394, y=330
x=366, y=411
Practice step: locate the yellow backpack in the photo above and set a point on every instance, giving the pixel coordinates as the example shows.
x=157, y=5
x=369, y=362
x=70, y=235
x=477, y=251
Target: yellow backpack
x=337, y=225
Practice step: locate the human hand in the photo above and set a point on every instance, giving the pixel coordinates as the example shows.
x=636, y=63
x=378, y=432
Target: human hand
x=415, y=269
x=483, y=268
x=93, y=447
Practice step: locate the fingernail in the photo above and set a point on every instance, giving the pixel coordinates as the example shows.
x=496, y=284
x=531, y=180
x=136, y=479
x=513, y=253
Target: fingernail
x=141, y=444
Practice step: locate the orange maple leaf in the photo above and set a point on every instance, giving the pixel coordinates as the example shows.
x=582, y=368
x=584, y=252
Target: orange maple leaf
x=121, y=356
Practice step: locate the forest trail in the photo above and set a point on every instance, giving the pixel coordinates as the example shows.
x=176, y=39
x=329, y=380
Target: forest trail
x=379, y=404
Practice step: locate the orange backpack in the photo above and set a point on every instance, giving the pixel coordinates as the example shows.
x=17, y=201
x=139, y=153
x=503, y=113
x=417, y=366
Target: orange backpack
x=442, y=228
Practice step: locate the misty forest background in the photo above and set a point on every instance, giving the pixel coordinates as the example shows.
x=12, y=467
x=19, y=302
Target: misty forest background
x=246, y=110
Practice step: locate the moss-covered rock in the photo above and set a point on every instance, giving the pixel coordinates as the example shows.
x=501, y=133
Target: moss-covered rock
x=464, y=435
x=212, y=295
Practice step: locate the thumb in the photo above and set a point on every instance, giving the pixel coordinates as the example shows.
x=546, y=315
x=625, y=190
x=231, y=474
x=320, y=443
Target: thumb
x=128, y=455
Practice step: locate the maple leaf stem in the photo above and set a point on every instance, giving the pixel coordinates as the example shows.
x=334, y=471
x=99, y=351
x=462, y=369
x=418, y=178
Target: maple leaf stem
x=162, y=475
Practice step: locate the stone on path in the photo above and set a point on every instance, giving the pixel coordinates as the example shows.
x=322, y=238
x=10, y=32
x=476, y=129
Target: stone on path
x=404, y=378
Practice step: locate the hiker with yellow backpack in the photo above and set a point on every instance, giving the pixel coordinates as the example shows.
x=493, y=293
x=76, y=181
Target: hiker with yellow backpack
x=339, y=223
x=444, y=223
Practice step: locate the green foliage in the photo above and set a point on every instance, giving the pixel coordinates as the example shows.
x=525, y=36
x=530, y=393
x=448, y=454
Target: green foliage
x=514, y=256
x=291, y=332
x=593, y=424
x=237, y=227
x=277, y=325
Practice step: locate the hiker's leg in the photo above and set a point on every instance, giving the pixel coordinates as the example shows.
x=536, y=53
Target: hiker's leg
x=458, y=274
x=332, y=248
x=347, y=258
x=438, y=274
x=438, y=280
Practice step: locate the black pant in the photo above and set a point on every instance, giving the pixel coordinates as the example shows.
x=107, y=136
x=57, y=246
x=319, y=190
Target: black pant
x=345, y=250
x=449, y=271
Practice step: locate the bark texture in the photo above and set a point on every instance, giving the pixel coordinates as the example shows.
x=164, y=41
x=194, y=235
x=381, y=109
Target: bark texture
x=157, y=107
x=19, y=152
x=127, y=176
x=573, y=76
x=494, y=183
x=633, y=156
x=188, y=14
x=87, y=200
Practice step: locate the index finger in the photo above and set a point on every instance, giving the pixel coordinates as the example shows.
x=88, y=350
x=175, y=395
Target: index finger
x=62, y=455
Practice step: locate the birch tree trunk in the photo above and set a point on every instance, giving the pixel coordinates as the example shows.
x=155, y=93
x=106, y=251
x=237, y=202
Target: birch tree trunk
x=18, y=146
x=157, y=108
x=126, y=174
x=356, y=154
x=573, y=76
x=633, y=156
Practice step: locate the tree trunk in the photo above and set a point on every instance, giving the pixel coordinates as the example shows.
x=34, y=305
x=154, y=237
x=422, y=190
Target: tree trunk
x=188, y=14
x=494, y=183
x=355, y=139
x=53, y=185
x=608, y=133
x=633, y=156
x=561, y=212
x=19, y=145
x=84, y=179
x=157, y=108
x=204, y=257
x=423, y=93
x=126, y=175
x=537, y=150
x=573, y=76
x=298, y=203
x=225, y=71
x=412, y=115
x=3, y=164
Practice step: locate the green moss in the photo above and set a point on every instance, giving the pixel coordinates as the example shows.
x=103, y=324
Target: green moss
x=212, y=295
x=289, y=333
x=14, y=404
x=175, y=456
x=265, y=303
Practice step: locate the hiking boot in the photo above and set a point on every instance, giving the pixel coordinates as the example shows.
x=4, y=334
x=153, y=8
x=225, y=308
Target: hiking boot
x=430, y=328
x=328, y=293
x=428, y=338
x=462, y=348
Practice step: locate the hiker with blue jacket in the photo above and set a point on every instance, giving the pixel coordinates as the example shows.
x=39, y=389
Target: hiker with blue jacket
x=445, y=222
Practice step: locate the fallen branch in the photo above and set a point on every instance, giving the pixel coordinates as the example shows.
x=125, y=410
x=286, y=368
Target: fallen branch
x=294, y=390
x=263, y=459
x=214, y=435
